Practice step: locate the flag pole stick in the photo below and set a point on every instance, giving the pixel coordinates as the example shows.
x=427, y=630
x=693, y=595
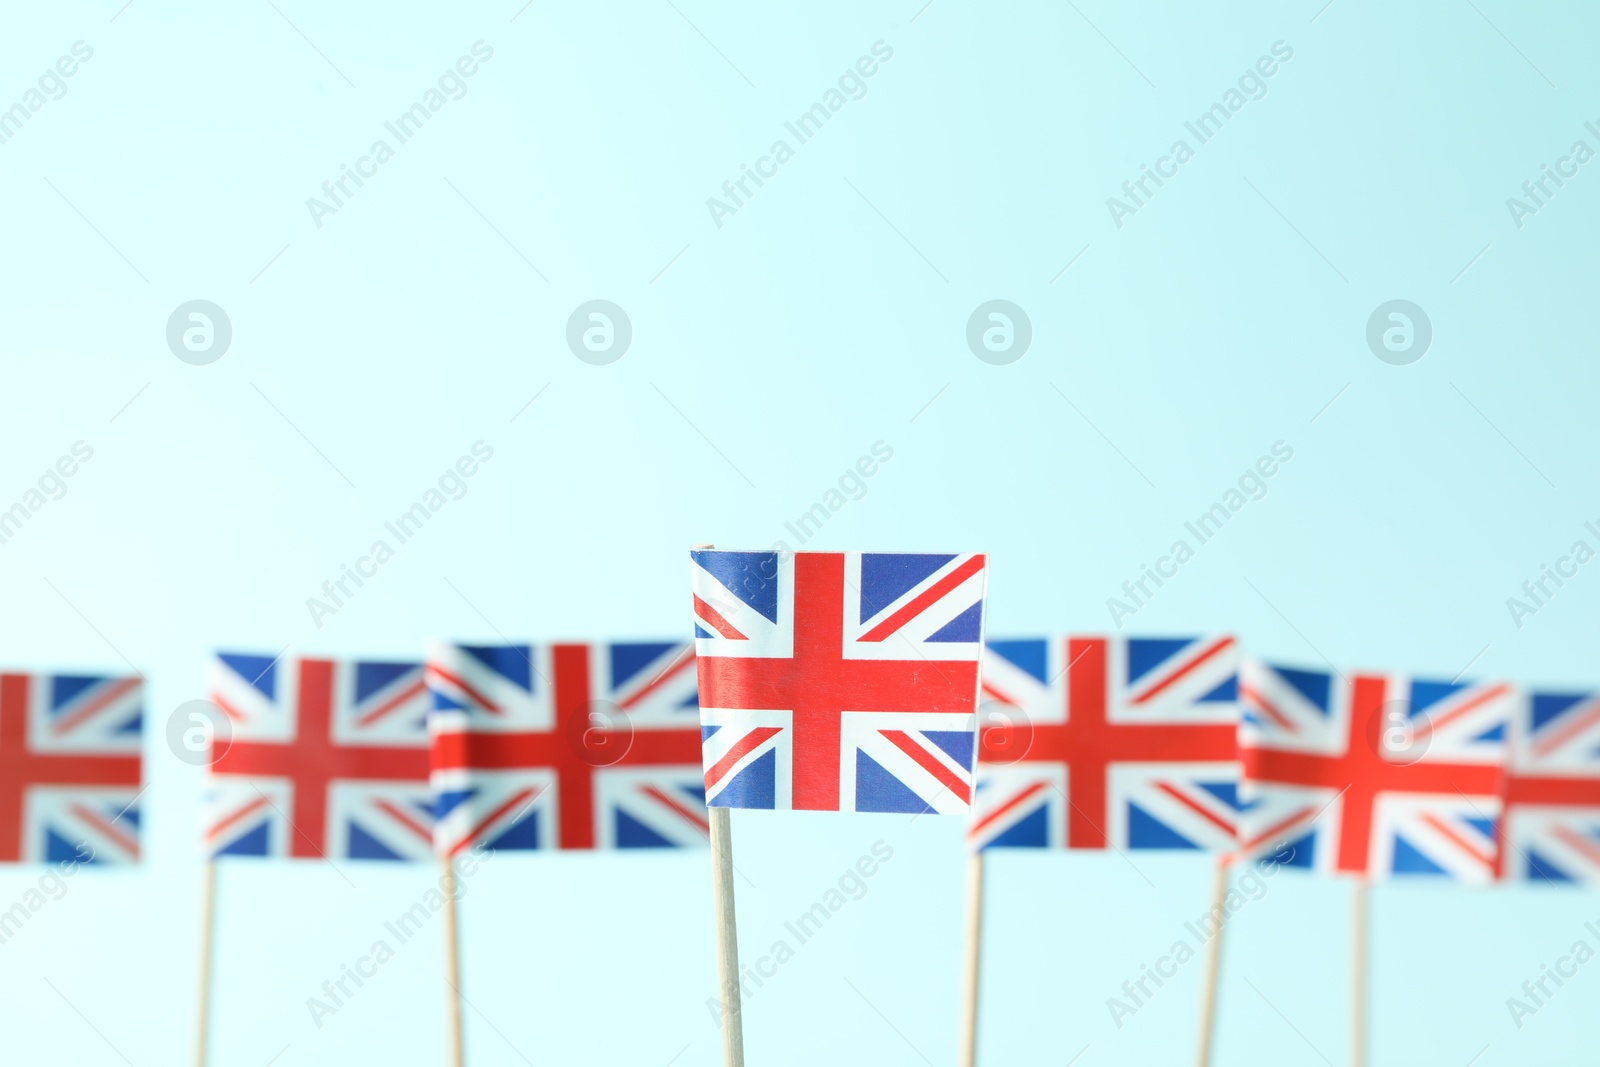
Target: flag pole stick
x=1358, y=974
x=727, y=937
x=1208, y=981
x=969, y=1007
x=452, y=963
x=208, y=912
x=721, y=832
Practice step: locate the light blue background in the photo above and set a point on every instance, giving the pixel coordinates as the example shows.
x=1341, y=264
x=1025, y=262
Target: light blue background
x=819, y=319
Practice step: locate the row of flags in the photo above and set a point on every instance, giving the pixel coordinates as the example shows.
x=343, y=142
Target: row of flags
x=833, y=681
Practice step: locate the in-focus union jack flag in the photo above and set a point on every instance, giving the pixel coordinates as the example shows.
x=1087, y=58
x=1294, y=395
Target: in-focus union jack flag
x=838, y=681
x=70, y=768
x=1552, y=790
x=327, y=759
x=1095, y=742
x=566, y=746
x=1374, y=775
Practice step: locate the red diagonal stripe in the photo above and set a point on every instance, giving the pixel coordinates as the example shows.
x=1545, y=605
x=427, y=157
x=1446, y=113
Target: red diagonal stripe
x=924, y=600
x=682, y=809
x=1556, y=738
x=1259, y=701
x=1006, y=807
x=404, y=818
x=478, y=698
x=129, y=844
x=217, y=828
x=712, y=618
x=1191, y=804
x=1455, y=838
x=398, y=700
x=1432, y=725
x=1188, y=668
x=228, y=709
x=98, y=703
x=926, y=760
x=1001, y=697
x=516, y=799
x=747, y=744
x=685, y=658
x=1276, y=828
x=1578, y=843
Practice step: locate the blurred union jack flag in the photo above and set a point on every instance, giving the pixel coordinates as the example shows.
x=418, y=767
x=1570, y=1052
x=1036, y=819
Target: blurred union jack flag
x=1096, y=742
x=1374, y=775
x=327, y=759
x=70, y=768
x=566, y=746
x=838, y=681
x=1552, y=790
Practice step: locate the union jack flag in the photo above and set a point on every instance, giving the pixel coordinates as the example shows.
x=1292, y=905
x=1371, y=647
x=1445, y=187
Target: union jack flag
x=1374, y=775
x=1096, y=742
x=838, y=681
x=1552, y=790
x=327, y=759
x=70, y=768
x=567, y=746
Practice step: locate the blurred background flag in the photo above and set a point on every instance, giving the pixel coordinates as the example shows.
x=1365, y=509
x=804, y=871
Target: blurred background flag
x=1121, y=742
x=569, y=746
x=313, y=759
x=1374, y=775
x=326, y=759
x=70, y=768
x=563, y=746
x=838, y=681
x=1551, y=790
x=1104, y=742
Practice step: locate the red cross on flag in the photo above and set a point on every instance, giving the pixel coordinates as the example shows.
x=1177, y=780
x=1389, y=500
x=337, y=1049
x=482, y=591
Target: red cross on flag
x=323, y=759
x=838, y=681
x=1374, y=775
x=70, y=767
